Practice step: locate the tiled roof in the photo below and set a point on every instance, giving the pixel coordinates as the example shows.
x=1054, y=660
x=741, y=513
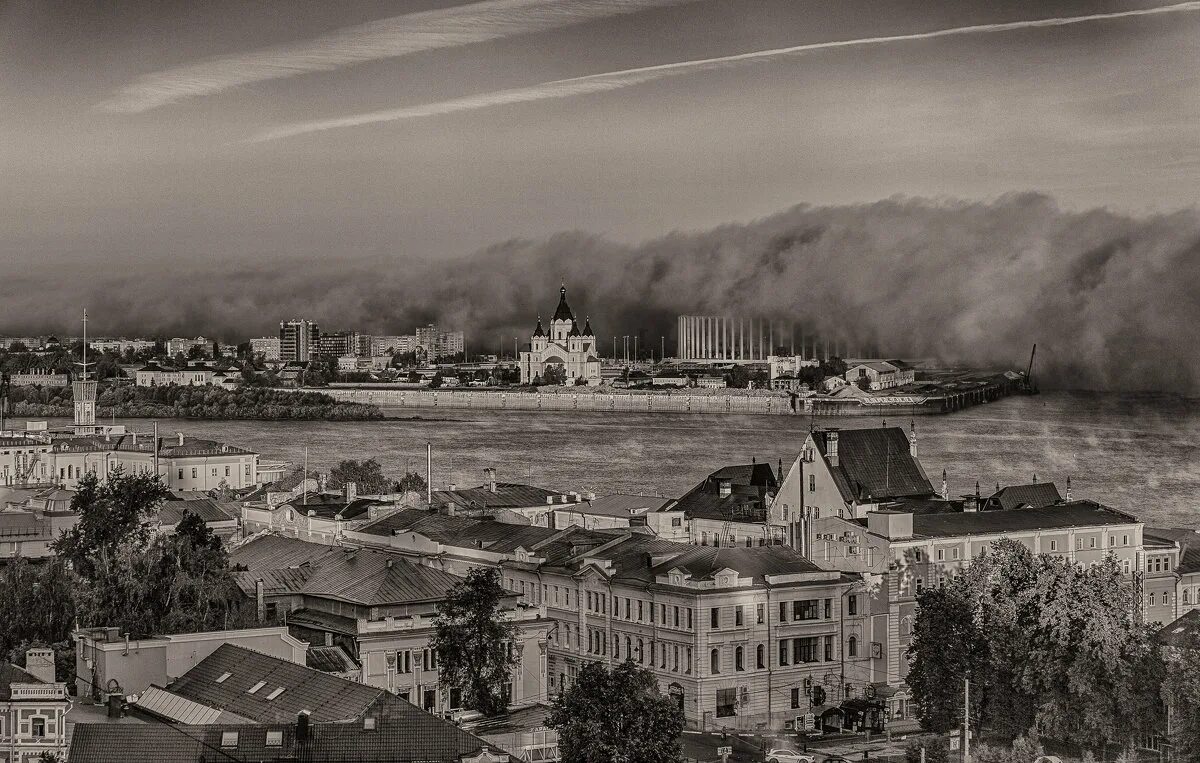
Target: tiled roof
x=705, y=561
x=429, y=523
x=10, y=674
x=749, y=484
x=507, y=496
x=1074, y=514
x=209, y=510
x=874, y=464
x=1183, y=632
x=273, y=552
x=1034, y=496
x=331, y=506
x=619, y=505
x=330, y=659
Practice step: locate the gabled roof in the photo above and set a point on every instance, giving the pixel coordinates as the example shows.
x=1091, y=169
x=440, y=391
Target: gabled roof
x=746, y=502
x=1184, y=632
x=331, y=506
x=1034, y=496
x=508, y=495
x=704, y=562
x=10, y=674
x=874, y=464
x=171, y=512
x=273, y=552
x=330, y=659
x=619, y=505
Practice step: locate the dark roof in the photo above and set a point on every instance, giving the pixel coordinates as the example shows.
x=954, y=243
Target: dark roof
x=400, y=735
x=704, y=562
x=292, y=480
x=171, y=512
x=1189, y=544
x=1034, y=496
x=330, y=659
x=1074, y=514
x=508, y=495
x=359, y=576
x=1183, y=632
x=874, y=464
x=747, y=499
x=424, y=521
x=326, y=697
x=10, y=674
x=619, y=505
x=331, y=505
x=563, y=311
x=23, y=526
x=274, y=552
x=587, y=327
x=539, y=331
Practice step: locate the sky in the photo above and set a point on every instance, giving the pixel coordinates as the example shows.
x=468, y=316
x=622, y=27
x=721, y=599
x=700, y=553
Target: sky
x=173, y=146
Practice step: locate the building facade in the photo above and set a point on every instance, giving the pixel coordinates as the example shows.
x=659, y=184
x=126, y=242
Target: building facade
x=33, y=710
x=298, y=341
x=266, y=346
x=566, y=346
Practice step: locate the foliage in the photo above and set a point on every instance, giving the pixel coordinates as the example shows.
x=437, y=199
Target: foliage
x=555, y=375
x=436, y=381
x=937, y=750
x=36, y=606
x=738, y=377
x=1047, y=645
x=1181, y=692
x=367, y=475
x=473, y=641
x=616, y=715
x=200, y=402
x=411, y=482
x=111, y=514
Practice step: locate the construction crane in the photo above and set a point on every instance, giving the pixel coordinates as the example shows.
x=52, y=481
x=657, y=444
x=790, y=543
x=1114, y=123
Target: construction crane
x=1030, y=388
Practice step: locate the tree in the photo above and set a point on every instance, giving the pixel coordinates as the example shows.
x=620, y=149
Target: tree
x=474, y=641
x=436, y=381
x=738, y=377
x=37, y=607
x=411, y=482
x=616, y=715
x=110, y=514
x=555, y=375
x=1181, y=692
x=947, y=646
x=367, y=475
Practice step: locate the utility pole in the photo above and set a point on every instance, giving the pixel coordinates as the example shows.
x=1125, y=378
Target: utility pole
x=663, y=354
x=966, y=720
x=429, y=473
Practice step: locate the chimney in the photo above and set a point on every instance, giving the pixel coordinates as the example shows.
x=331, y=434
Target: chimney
x=912, y=438
x=302, y=726
x=39, y=663
x=490, y=475
x=135, y=438
x=350, y=491
x=945, y=487
x=258, y=600
x=1068, y=495
x=181, y=439
x=389, y=563
x=725, y=487
x=831, y=446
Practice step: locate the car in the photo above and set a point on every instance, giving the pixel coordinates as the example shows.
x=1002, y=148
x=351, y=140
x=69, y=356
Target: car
x=781, y=755
x=835, y=759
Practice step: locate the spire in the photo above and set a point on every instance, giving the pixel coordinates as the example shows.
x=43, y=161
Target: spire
x=1035, y=479
x=587, y=326
x=538, y=331
x=563, y=311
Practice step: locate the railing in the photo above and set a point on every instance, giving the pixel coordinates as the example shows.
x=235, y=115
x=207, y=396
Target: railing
x=39, y=691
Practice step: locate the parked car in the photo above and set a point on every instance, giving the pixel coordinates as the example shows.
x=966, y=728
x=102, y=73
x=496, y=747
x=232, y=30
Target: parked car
x=781, y=755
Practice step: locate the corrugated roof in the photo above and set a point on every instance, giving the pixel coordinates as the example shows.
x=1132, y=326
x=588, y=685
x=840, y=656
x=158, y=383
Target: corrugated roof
x=162, y=703
x=619, y=505
x=1074, y=514
x=209, y=510
x=274, y=552
x=874, y=464
x=330, y=659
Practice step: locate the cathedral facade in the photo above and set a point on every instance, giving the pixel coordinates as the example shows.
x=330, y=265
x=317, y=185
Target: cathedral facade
x=565, y=346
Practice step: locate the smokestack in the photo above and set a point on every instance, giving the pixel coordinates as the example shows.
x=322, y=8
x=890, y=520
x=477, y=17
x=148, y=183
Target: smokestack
x=945, y=487
x=1068, y=495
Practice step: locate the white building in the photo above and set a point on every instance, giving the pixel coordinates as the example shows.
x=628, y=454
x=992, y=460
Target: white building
x=566, y=346
x=267, y=346
x=179, y=345
x=881, y=374
x=154, y=375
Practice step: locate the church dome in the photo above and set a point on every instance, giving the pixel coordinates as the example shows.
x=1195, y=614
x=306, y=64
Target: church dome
x=538, y=331
x=563, y=311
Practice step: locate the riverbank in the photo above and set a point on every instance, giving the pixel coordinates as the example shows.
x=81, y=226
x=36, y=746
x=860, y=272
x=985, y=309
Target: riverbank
x=676, y=401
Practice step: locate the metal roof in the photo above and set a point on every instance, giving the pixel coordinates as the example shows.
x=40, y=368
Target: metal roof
x=1074, y=514
x=874, y=464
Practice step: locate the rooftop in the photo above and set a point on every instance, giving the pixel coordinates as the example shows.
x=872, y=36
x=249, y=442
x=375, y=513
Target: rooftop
x=746, y=500
x=507, y=495
x=1073, y=514
x=874, y=464
x=619, y=505
x=171, y=512
x=1035, y=495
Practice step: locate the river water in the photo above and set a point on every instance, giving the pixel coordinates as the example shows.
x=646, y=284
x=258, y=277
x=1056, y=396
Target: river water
x=1137, y=453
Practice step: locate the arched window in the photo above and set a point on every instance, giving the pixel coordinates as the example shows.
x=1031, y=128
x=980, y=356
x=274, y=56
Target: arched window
x=628, y=648
x=715, y=661
x=641, y=655
x=1185, y=596
x=739, y=659
x=761, y=657
x=852, y=647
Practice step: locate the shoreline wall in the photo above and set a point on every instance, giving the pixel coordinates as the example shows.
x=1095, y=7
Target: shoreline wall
x=620, y=402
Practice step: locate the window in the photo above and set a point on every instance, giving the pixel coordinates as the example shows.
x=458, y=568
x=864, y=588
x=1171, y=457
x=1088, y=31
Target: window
x=430, y=660
x=39, y=728
x=275, y=692
x=628, y=648
x=920, y=585
x=828, y=609
x=404, y=661
x=1112, y=541
x=760, y=657
x=783, y=652
x=229, y=739
x=181, y=474
x=689, y=618
x=1091, y=542
x=675, y=657
x=852, y=647
x=1124, y=540
x=812, y=483
x=193, y=472
x=795, y=698
x=589, y=601
x=714, y=617
x=640, y=656
x=455, y=698
x=703, y=538
x=738, y=616
x=1053, y=545
x=220, y=679
x=852, y=604
x=726, y=703
x=783, y=607
x=662, y=611
x=1079, y=544
x=749, y=542
x=715, y=661
x=956, y=553
x=804, y=650
x=761, y=612
x=804, y=609
x=676, y=522
x=675, y=615
x=226, y=471
x=627, y=611
x=828, y=648
x=941, y=554
x=687, y=668
x=1185, y=596
x=274, y=739
x=739, y=659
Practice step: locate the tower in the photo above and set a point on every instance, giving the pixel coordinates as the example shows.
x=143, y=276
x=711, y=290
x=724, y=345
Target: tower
x=84, y=390
x=563, y=323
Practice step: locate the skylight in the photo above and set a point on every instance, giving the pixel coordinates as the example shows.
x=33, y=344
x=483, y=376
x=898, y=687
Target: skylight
x=229, y=738
x=275, y=693
x=274, y=739
x=222, y=677
x=256, y=687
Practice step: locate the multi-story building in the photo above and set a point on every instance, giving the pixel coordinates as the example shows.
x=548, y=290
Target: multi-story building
x=731, y=508
x=379, y=608
x=568, y=348
x=39, y=377
x=33, y=710
x=29, y=531
x=268, y=347
x=183, y=346
x=154, y=375
x=120, y=346
x=188, y=464
x=736, y=636
x=534, y=504
x=298, y=341
x=1171, y=573
x=335, y=344
x=439, y=343
x=390, y=345
x=881, y=374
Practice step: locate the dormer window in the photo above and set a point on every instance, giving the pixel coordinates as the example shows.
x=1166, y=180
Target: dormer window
x=256, y=687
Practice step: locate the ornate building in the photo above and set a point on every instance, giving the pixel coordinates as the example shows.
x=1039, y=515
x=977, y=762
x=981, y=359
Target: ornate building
x=565, y=346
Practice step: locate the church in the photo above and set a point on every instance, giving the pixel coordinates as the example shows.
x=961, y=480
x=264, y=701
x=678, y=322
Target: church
x=566, y=346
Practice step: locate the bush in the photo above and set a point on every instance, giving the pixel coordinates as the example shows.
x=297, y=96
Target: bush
x=937, y=750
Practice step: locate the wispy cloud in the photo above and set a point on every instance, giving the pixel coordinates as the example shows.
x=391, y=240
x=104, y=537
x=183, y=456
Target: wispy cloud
x=386, y=38
x=597, y=83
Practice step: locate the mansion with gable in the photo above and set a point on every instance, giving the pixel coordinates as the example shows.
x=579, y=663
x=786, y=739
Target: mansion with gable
x=565, y=345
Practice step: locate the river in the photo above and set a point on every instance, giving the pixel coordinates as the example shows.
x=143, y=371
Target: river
x=1137, y=453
